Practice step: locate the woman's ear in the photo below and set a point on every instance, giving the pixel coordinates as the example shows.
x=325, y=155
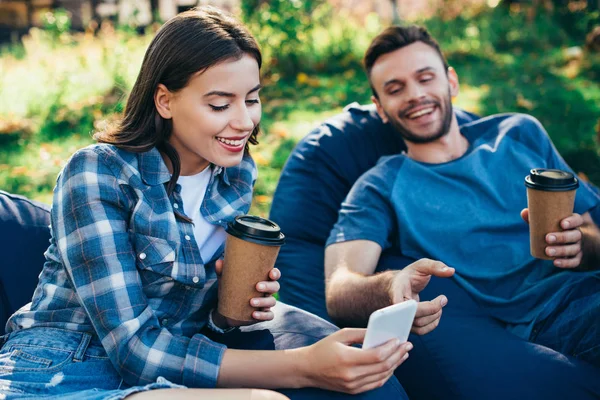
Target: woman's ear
x=162, y=101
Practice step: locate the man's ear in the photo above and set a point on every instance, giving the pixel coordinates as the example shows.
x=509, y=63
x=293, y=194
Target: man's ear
x=162, y=101
x=453, y=81
x=380, y=111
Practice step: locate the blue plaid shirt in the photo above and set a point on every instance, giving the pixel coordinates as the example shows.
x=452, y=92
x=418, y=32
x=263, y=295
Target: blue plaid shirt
x=122, y=267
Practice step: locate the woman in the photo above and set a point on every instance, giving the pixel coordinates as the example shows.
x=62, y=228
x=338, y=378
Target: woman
x=126, y=300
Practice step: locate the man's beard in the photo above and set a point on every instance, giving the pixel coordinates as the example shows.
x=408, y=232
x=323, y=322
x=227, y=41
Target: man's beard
x=412, y=137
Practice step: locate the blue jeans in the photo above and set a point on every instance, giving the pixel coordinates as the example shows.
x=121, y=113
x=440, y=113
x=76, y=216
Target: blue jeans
x=570, y=322
x=56, y=363
x=61, y=364
x=472, y=356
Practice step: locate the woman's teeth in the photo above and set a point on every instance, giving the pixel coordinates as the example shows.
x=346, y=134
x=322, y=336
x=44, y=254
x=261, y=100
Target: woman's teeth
x=231, y=142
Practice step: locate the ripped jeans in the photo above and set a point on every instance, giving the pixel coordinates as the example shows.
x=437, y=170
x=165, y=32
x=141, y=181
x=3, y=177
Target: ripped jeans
x=55, y=363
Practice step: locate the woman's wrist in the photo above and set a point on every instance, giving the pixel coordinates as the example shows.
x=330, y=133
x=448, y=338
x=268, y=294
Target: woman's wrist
x=303, y=369
x=285, y=369
x=219, y=320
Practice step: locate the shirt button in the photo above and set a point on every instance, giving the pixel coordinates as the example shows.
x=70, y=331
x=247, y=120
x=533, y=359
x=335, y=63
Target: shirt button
x=195, y=279
x=142, y=256
x=187, y=237
x=176, y=206
x=164, y=322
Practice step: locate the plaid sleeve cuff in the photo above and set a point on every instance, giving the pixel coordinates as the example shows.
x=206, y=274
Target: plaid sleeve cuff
x=213, y=327
x=203, y=362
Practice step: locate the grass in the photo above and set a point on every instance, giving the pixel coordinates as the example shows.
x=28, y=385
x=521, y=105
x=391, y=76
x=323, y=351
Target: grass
x=55, y=91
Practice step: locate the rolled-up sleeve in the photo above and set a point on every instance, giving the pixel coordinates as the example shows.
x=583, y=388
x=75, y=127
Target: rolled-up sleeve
x=90, y=219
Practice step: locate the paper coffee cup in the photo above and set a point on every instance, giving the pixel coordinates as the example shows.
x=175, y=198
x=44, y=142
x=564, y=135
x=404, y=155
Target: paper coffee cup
x=251, y=249
x=550, y=199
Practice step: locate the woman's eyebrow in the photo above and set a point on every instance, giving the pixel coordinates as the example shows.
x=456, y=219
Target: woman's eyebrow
x=219, y=93
x=256, y=88
x=229, y=94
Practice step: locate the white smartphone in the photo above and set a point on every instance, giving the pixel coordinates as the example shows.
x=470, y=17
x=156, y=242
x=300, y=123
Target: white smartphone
x=390, y=322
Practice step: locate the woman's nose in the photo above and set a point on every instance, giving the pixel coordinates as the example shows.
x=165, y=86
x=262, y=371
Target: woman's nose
x=243, y=120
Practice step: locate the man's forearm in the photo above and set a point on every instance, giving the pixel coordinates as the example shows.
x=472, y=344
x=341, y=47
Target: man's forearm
x=352, y=297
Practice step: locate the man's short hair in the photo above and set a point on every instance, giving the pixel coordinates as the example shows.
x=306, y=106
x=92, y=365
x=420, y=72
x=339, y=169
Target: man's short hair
x=394, y=38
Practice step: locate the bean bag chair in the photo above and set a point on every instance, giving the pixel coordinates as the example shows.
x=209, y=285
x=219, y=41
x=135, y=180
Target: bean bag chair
x=24, y=237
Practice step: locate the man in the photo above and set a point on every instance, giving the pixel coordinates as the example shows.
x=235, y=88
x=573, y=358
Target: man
x=456, y=196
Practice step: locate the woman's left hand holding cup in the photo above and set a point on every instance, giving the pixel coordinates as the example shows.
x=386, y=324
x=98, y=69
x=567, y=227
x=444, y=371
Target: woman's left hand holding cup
x=262, y=304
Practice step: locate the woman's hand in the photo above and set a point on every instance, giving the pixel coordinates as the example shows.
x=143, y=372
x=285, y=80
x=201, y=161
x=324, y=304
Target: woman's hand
x=262, y=304
x=333, y=364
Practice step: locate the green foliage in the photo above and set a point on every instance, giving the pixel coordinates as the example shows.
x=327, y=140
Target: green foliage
x=57, y=87
x=282, y=152
x=283, y=25
x=56, y=22
x=306, y=35
x=590, y=68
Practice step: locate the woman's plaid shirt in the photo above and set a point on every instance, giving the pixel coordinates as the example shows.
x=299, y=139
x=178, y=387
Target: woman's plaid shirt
x=122, y=267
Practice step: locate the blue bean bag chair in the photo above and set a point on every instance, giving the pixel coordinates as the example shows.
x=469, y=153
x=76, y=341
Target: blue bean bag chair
x=469, y=355
x=24, y=237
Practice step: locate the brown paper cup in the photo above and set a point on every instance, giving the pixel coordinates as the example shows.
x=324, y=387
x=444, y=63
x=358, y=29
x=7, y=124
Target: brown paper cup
x=245, y=264
x=546, y=210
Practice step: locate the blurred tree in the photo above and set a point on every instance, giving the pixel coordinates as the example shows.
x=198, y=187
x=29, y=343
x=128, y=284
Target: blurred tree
x=30, y=9
x=154, y=10
x=94, y=9
x=593, y=40
x=284, y=25
x=395, y=13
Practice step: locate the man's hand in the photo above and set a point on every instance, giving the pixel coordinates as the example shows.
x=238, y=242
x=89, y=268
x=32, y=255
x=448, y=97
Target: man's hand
x=262, y=304
x=410, y=281
x=565, y=247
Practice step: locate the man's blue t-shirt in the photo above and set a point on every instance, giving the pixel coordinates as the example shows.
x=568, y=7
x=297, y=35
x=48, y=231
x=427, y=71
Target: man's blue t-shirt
x=466, y=213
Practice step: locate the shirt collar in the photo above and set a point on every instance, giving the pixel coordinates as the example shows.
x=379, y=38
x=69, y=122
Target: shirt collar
x=153, y=169
x=217, y=170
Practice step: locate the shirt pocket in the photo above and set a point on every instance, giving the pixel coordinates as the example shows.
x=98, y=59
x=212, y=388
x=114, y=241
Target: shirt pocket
x=161, y=267
x=155, y=258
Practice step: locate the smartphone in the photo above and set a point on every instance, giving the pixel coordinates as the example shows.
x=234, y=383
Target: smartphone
x=390, y=322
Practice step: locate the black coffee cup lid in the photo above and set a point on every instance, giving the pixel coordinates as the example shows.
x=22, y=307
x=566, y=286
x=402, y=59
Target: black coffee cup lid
x=256, y=230
x=551, y=180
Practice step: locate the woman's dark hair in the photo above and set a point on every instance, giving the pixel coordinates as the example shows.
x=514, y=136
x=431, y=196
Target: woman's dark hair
x=190, y=42
x=394, y=38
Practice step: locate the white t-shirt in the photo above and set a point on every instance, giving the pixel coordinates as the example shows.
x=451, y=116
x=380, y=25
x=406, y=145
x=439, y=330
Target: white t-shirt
x=208, y=236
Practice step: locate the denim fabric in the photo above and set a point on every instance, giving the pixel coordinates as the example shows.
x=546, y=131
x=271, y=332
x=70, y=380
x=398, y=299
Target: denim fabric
x=471, y=356
x=121, y=265
x=292, y=328
x=56, y=363
x=572, y=325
